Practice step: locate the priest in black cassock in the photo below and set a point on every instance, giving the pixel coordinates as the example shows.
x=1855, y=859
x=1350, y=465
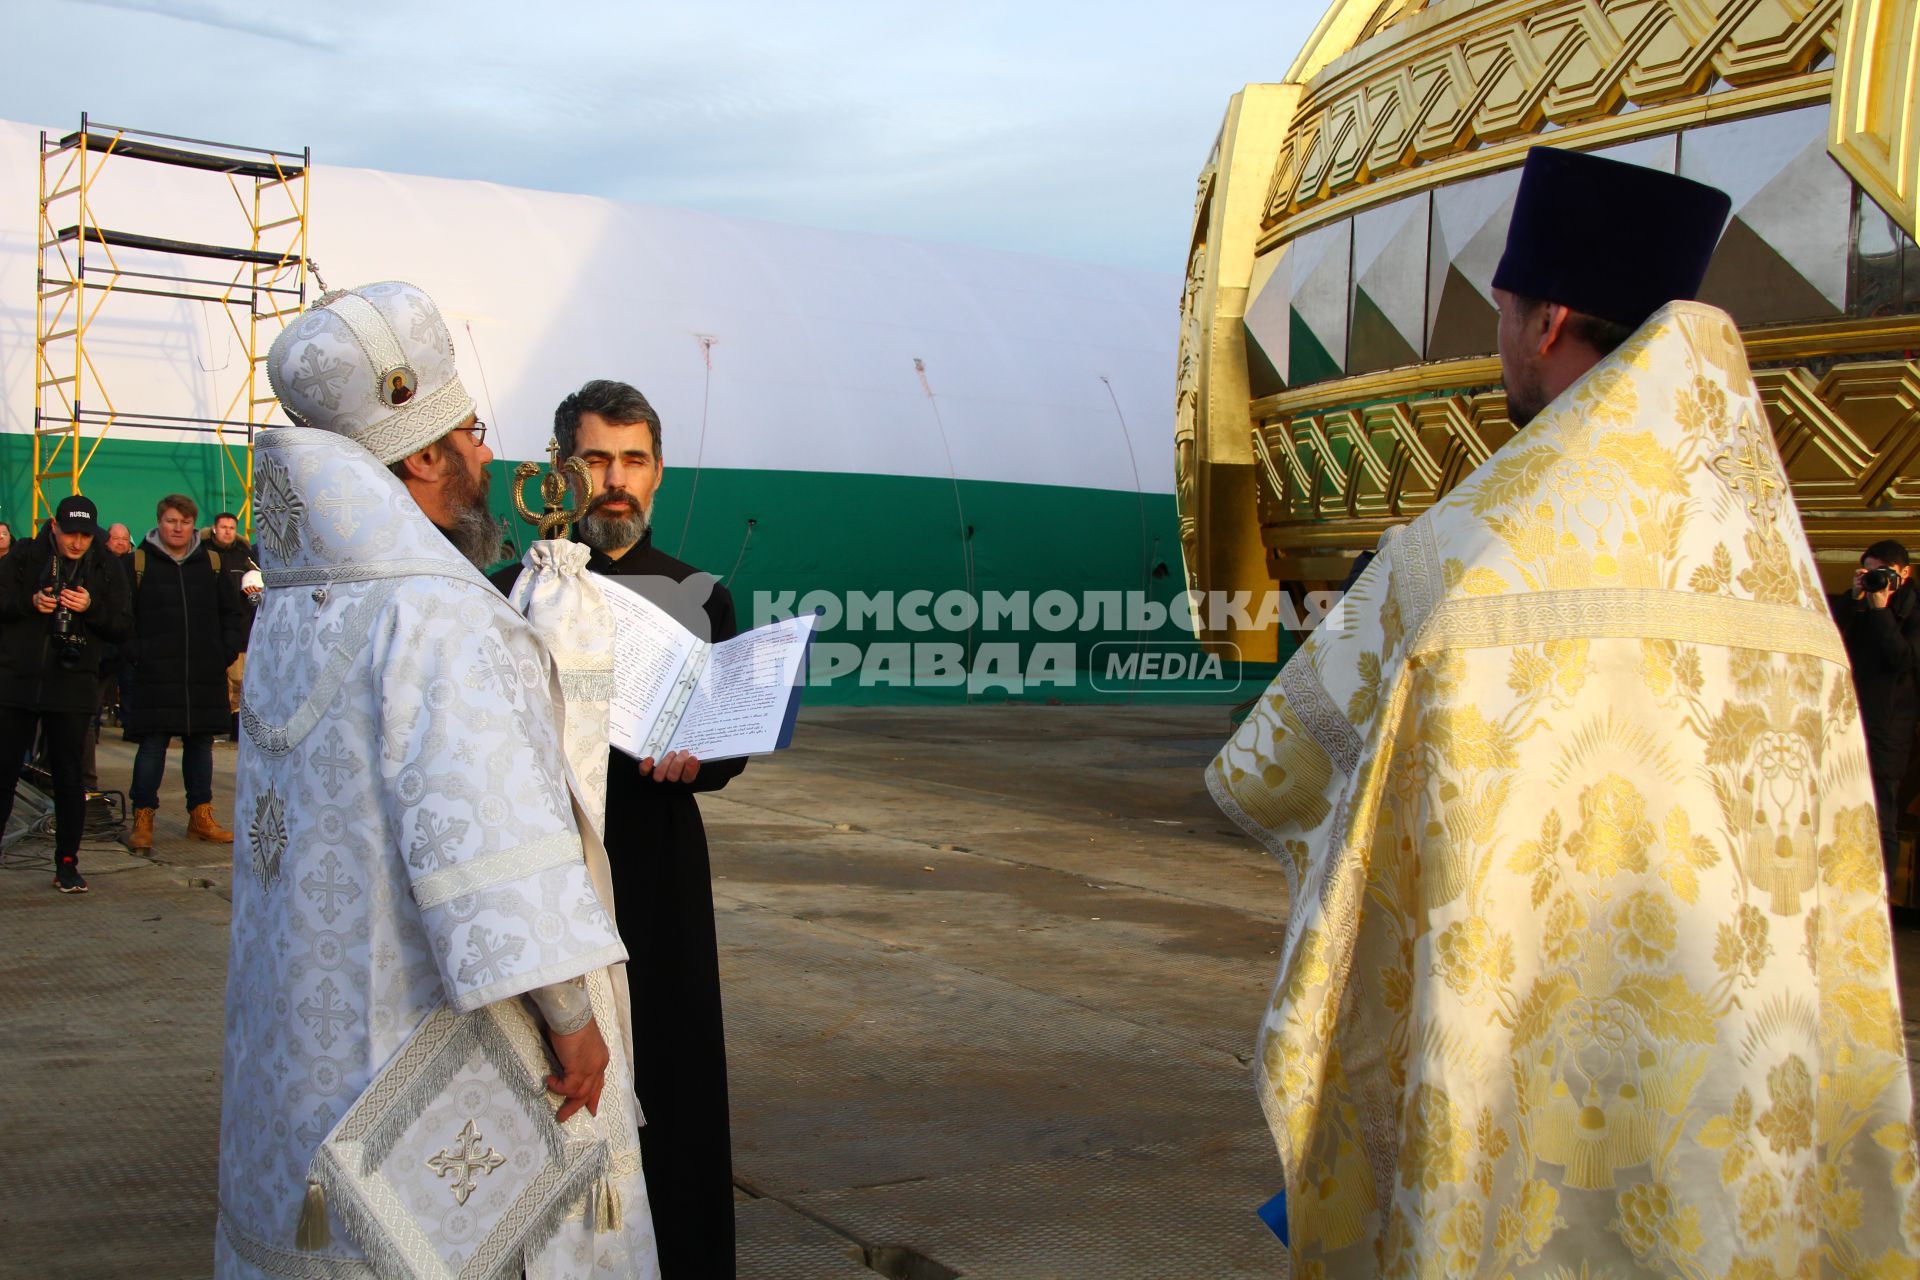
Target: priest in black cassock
x=663, y=894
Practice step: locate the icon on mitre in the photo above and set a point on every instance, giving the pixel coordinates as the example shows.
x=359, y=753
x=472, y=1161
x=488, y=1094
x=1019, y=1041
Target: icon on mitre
x=399, y=387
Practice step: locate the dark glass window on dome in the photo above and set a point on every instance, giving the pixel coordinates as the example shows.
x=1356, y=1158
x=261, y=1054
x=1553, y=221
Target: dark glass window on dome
x=1884, y=263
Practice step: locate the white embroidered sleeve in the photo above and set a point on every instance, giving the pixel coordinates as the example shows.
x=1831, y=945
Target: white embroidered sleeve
x=564, y=1006
x=474, y=797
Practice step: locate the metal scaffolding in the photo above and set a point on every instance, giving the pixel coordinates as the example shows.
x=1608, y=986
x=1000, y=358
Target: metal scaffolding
x=80, y=271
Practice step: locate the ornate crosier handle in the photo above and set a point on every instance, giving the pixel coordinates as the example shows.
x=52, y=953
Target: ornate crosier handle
x=562, y=477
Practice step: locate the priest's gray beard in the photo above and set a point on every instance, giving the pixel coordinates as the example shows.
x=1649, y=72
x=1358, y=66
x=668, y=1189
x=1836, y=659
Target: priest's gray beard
x=608, y=533
x=473, y=533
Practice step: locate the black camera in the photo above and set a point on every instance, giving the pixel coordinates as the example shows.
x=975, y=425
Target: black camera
x=69, y=640
x=72, y=650
x=1874, y=581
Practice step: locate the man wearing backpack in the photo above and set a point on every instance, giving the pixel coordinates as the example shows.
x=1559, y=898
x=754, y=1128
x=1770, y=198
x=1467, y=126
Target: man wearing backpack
x=189, y=624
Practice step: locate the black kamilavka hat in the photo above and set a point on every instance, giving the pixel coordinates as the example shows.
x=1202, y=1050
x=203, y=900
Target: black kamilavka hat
x=1614, y=240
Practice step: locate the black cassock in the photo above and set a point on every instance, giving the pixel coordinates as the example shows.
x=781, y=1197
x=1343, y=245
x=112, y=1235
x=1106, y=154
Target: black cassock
x=663, y=898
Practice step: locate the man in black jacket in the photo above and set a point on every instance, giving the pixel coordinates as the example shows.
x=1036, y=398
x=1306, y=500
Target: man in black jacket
x=657, y=846
x=62, y=602
x=1881, y=627
x=188, y=625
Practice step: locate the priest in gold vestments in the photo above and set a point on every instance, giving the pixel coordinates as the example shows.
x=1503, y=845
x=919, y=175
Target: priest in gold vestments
x=1587, y=969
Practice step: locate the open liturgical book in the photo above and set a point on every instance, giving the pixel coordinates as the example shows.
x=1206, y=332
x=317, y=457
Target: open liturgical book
x=675, y=692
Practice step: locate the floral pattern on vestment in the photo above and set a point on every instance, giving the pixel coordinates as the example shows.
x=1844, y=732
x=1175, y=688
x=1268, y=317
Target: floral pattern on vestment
x=1587, y=966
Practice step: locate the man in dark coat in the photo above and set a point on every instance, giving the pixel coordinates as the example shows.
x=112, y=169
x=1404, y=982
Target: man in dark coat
x=662, y=883
x=189, y=624
x=1882, y=631
x=63, y=602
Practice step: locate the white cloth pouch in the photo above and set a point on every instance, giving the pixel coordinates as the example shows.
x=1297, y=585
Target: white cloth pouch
x=568, y=608
x=450, y=1164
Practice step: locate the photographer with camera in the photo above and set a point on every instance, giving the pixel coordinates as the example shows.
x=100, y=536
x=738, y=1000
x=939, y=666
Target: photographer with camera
x=1879, y=617
x=62, y=602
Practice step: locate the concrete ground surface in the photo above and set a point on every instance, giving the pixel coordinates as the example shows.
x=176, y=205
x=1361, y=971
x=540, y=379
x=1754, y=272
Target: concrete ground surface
x=992, y=975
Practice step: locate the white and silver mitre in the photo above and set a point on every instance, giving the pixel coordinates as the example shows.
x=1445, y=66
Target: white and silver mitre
x=374, y=364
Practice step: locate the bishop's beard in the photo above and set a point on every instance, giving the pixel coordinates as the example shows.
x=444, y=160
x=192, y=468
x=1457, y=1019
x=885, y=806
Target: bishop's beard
x=605, y=532
x=473, y=533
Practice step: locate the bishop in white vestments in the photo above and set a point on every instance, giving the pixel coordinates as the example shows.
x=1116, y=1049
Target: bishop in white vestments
x=419, y=928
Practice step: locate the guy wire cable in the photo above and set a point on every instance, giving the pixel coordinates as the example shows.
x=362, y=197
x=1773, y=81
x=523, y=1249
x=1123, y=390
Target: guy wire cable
x=966, y=530
x=1140, y=501
x=744, y=540
x=502, y=526
x=206, y=332
x=481, y=365
x=706, y=341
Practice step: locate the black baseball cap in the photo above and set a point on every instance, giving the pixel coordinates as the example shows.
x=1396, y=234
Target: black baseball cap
x=77, y=514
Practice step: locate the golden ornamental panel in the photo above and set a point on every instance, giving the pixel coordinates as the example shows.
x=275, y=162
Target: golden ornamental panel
x=1187, y=412
x=1850, y=439
x=1503, y=71
x=1213, y=461
x=1876, y=104
x=1332, y=478
x=1386, y=461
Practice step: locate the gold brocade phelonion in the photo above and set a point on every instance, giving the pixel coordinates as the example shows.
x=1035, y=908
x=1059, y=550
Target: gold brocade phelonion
x=1590, y=895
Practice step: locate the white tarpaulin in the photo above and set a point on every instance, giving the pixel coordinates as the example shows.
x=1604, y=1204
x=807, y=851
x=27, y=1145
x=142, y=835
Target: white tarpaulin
x=1040, y=371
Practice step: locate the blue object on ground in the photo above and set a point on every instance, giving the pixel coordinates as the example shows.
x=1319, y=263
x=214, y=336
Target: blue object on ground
x=1274, y=1214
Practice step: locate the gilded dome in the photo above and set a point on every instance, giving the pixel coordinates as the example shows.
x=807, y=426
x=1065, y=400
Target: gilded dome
x=1346, y=25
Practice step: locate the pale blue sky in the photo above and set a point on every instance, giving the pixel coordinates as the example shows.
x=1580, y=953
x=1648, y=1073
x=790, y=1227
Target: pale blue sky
x=1071, y=129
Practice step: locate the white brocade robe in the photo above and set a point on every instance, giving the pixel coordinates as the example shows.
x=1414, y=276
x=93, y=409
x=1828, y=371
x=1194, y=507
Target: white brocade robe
x=405, y=841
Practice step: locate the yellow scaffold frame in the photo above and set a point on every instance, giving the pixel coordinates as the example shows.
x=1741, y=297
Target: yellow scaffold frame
x=73, y=407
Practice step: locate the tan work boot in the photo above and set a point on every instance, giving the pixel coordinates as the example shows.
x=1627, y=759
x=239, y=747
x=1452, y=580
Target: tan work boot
x=140, y=839
x=201, y=826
